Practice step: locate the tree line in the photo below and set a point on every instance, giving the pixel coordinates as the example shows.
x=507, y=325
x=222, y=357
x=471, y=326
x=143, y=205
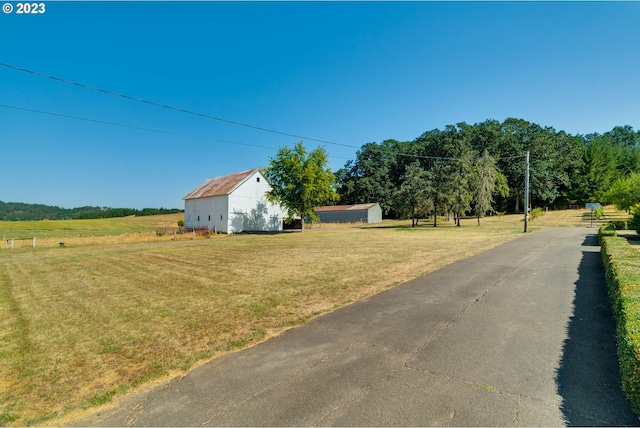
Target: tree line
x=481, y=168
x=15, y=211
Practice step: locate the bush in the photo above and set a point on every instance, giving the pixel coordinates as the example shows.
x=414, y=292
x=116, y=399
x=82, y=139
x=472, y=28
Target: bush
x=634, y=223
x=180, y=223
x=536, y=212
x=619, y=224
x=622, y=269
x=606, y=230
x=598, y=213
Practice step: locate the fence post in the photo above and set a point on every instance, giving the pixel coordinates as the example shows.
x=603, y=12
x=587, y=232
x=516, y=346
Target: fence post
x=34, y=242
x=174, y=235
x=12, y=243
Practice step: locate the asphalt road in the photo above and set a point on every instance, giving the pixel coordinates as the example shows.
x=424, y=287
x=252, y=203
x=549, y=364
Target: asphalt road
x=521, y=335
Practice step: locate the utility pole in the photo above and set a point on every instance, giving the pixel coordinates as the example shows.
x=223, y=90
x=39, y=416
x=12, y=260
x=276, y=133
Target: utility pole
x=526, y=194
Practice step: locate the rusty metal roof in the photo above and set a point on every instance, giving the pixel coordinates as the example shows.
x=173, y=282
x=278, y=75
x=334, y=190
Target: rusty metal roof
x=356, y=207
x=220, y=186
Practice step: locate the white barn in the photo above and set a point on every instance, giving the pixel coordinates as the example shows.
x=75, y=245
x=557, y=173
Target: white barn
x=233, y=203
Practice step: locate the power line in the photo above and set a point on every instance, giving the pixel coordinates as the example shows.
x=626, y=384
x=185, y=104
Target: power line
x=103, y=122
x=178, y=134
x=443, y=158
x=130, y=126
x=165, y=106
x=206, y=116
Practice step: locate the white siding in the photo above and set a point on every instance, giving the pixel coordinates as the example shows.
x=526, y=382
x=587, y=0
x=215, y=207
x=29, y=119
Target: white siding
x=245, y=209
x=249, y=209
x=211, y=212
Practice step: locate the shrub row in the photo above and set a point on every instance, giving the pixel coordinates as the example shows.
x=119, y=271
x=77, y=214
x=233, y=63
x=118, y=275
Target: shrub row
x=606, y=230
x=622, y=268
x=620, y=224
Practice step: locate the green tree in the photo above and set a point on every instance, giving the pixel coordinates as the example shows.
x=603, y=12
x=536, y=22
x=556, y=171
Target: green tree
x=623, y=136
x=512, y=146
x=487, y=181
x=371, y=177
x=438, y=191
x=411, y=196
x=599, y=168
x=450, y=155
x=564, y=169
x=554, y=160
x=634, y=223
x=300, y=181
x=459, y=176
x=624, y=192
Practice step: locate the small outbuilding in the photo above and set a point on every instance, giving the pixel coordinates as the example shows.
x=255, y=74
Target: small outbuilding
x=360, y=213
x=233, y=203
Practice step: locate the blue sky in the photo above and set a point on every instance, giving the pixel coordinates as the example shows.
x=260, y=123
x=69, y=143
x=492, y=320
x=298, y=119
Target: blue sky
x=346, y=73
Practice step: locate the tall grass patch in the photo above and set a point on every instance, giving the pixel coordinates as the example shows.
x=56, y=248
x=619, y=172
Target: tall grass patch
x=622, y=268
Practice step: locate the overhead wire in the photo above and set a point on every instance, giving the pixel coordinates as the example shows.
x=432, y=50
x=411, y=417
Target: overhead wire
x=103, y=122
x=203, y=115
x=165, y=106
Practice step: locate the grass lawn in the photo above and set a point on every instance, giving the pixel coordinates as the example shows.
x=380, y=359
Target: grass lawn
x=92, y=227
x=49, y=233
x=82, y=324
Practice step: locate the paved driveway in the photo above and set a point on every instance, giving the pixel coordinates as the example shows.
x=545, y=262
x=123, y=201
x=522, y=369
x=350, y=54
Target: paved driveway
x=521, y=335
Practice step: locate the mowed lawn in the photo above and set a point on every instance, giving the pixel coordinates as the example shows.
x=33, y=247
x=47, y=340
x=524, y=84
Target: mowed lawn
x=82, y=324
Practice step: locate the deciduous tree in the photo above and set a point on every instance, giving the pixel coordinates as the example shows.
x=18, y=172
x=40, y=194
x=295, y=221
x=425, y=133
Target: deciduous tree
x=372, y=176
x=487, y=181
x=624, y=192
x=300, y=181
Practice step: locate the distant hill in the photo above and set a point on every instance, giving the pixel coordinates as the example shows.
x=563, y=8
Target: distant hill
x=16, y=211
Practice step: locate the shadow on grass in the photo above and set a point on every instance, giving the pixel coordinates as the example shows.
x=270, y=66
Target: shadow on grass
x=588, y=378
x=632, y=238
x=423, y=225
x=396, y=226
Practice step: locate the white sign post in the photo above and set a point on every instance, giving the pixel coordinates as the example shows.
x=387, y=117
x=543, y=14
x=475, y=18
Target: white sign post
x=593, y=206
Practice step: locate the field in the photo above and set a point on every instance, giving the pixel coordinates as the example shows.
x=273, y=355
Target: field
x=120, y=307
x=49, y=233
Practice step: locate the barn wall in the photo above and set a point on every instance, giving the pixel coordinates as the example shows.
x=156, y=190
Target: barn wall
x=249, y=209
x=211, y=212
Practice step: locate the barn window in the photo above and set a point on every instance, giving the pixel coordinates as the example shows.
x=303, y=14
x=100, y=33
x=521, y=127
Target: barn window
x=220, y=217
x=209, y=218
x=198, y=218
x=257, y=179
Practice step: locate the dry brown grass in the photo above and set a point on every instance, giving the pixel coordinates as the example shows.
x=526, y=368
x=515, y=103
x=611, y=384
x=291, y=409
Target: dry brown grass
x=81, y=325
x=126, y=238
x=578, y=218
